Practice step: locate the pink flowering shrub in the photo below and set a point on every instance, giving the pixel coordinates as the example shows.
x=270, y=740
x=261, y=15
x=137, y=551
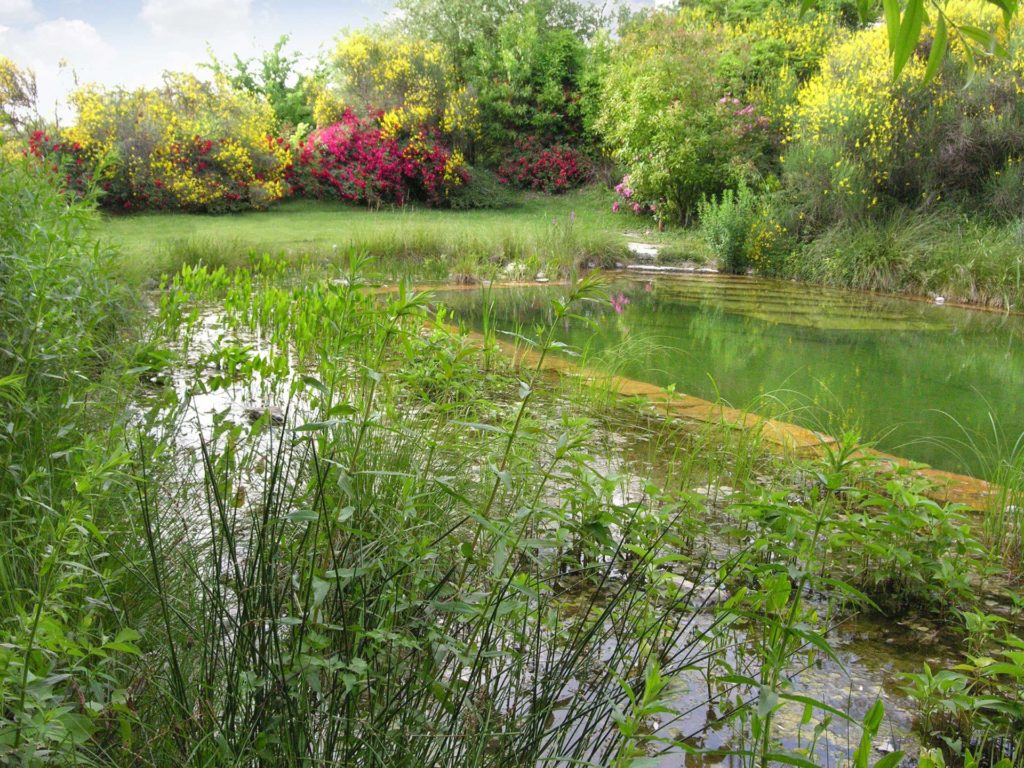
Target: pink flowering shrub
x=554, y=168
x=628, y=201
x=743, y=117
x=354, y=160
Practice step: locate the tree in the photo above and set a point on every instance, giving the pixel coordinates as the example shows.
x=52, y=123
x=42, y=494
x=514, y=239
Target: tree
x=528, y=81
x=460, y=26
x=669, y=118
x=274, y=77
x=17, y=95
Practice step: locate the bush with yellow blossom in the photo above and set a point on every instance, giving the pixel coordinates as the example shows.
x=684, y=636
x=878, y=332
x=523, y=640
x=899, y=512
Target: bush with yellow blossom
x=860, y=141
x=406, y=84
x=190, y=145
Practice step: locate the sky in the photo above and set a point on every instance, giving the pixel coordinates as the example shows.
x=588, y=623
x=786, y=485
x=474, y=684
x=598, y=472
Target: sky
x=131, y=42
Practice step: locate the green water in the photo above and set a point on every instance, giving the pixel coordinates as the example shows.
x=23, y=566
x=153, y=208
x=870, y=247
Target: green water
x=915, y=378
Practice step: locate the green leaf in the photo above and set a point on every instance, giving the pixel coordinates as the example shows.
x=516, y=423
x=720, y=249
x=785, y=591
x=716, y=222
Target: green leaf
x=302, y=516
x=985, y=39
x=891, y=760
x=871, y=724
x=767, y=701
x=908, y=35
x=940, y=41
x=892, y=21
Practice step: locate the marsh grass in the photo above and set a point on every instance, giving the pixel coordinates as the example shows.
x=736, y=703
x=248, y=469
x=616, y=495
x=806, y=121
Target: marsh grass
x=429, y=561
x=998, y=456
x=553, y=234
x=939, y=253
x=376, y=605
x=331, y=531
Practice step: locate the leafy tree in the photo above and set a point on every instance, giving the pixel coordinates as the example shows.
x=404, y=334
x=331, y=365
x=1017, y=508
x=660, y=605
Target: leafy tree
x=461, y=26
x=272, y=76
x=17, y=95
x=528, y=80
x=669, y=118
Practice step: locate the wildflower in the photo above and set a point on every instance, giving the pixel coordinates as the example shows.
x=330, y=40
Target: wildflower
x=615, y=207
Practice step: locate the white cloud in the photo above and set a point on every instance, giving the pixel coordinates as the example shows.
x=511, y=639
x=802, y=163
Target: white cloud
x=71, y=40
x=18, y=12
x=203, y=18
x=61, y=51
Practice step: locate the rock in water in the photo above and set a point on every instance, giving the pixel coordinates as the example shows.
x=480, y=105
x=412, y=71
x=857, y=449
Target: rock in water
x=274, y=412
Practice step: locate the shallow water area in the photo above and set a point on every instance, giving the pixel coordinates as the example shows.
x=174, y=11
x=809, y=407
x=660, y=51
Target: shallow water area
x=871, y=654
x=909, y=375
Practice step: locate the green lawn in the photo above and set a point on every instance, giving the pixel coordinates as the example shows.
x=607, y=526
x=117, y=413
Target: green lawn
x=540, y=232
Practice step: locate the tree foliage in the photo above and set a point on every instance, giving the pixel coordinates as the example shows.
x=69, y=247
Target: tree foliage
x=274, y=76
x=17, y=95
x=670, y=120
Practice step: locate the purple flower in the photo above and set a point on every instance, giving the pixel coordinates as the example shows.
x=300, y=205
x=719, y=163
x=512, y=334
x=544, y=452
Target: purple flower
x=619, y=303
x=615, y=207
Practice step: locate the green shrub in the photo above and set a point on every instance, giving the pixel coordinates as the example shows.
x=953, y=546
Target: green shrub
x=484, y=190
x=671, y=122
x=726, y=226
x=63, y=475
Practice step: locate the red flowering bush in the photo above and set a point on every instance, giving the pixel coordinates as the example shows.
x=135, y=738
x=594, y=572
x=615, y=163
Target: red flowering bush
x=553, y=168
x=355, y=160
x=64, y=159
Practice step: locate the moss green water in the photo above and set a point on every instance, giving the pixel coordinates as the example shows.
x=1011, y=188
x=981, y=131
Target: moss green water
x=909, y=375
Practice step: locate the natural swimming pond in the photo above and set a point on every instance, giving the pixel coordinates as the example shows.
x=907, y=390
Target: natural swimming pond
x=921, y=380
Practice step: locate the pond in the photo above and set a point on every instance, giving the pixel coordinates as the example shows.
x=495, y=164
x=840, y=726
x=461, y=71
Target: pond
x=922, y=381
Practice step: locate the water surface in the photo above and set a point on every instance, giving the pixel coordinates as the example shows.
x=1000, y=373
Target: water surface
x=909, y=375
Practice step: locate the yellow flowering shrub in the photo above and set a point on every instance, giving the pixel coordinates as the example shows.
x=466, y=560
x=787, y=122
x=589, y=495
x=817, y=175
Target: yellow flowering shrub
x=855, y=102
x=189, y=144
x=858, y=140
x=784, y=49
x=17, y=95
x=406, y=82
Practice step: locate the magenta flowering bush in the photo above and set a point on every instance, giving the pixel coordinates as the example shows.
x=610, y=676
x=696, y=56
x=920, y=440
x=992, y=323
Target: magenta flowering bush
x=355, y=160
x=628, y=201
x=545, y=168
x=744, y=116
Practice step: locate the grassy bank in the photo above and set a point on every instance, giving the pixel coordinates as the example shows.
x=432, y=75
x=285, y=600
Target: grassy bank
x=961, y=257
x=538, y=232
